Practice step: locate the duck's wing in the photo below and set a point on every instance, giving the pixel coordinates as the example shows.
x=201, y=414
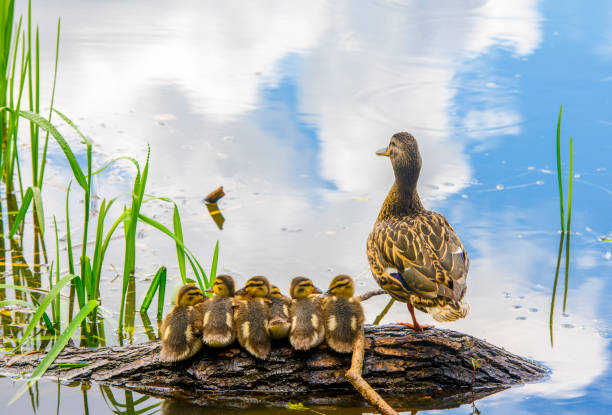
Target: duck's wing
x=449, y=252
x=423, y=252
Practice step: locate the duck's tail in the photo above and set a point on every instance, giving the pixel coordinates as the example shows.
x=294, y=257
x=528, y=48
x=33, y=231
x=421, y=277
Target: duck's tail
x=450, y=312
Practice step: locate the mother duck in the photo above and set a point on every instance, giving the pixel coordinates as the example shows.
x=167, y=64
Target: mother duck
x=414, y=254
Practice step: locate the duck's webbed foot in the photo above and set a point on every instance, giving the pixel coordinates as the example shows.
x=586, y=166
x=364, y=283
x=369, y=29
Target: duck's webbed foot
x=415, y=324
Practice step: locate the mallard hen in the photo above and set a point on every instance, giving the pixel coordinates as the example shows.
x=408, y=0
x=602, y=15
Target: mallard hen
x=414, y=253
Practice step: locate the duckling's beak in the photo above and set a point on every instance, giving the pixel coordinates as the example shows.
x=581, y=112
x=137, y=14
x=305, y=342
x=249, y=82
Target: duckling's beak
x=210, y=291
x=317, y=290
x=383, y=151
x=325, y=294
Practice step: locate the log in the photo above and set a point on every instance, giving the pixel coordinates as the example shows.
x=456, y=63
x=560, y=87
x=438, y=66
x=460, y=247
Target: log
x=432, y=369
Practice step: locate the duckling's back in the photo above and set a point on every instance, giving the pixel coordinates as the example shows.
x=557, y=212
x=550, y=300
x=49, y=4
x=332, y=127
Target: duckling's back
x=343, y=320
x=307, y=330
x=180, y=336
x=280, y=322
x=251, y=324
x=218, y=326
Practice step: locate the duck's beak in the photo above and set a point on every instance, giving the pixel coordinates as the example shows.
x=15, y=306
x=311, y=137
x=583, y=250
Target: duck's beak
x=317, y=290
x=383, y=152
x=325, y=294
x=210, y=291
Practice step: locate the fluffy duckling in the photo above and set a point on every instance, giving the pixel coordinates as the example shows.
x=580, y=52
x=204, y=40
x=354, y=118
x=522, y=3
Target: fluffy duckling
x=251, y=314
x=182, y=327
x=343, y=314
x=414, y=253
x=307, y=329
x=280, y=322
x=218, y=322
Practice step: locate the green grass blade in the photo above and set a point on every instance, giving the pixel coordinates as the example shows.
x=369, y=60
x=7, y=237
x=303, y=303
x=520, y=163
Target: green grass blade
x=25, y=204
x=148, y=299
x=161, y=295
x=38, y=207
x=56, y=323
x=68, y=237
x=162, y=228
x=47, y=126
x=569, y=222
x=43, y=306
x=554, y=290
x=44, y=155
x=74, y=127
x=559, y=174
x=58, y=346
x=213, y=266
x=113, y=161
x=180, y=252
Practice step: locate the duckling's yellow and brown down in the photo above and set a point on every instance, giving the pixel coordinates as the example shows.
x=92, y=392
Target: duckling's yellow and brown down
x=307, y=328
x=181, y=329
x=218, y=314
x=342, y=314
x=415, y=254
x=279, y=323
x=251, y=315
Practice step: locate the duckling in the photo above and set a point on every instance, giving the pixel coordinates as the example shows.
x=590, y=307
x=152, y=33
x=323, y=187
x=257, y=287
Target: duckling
x=414, y=253
x=218, y=323
x=182, y=327
x=279, y=323
x=251, y=314
x=342, y=314
x=307, y=329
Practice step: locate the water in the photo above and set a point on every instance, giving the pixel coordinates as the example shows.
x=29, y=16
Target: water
x=285, y=105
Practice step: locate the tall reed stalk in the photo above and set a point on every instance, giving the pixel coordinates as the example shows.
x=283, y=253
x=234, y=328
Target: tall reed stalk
x=565, y=230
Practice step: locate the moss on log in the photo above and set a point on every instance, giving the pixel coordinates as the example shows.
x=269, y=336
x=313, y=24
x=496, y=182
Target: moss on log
x=432, y=369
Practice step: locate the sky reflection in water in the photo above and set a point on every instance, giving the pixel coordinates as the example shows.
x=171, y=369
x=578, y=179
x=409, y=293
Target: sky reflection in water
x=284, y=105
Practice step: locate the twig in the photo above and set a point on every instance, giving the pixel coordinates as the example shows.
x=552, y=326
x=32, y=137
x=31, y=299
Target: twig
x=369, y=294
x=353, y=375
x=384, y=312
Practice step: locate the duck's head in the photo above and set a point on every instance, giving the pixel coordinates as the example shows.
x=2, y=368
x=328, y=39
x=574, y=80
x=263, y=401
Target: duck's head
x=302, y=287
x=275, y=292
x=258, y=286
x=224, y=286
x=342, y=286
x=189, y=295
x=403, y=151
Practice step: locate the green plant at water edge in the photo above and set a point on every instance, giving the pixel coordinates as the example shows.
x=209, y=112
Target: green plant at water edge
x=475, y=365
x=85, y=271
x=565, y=230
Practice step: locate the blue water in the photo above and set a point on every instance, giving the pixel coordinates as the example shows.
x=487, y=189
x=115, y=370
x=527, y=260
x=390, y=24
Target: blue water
x=284, y=105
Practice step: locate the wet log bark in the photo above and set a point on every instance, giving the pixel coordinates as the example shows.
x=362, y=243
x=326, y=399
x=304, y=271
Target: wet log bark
x=432, y=369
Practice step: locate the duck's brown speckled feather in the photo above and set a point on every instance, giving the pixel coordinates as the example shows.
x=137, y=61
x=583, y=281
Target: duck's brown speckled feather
x=431, y=259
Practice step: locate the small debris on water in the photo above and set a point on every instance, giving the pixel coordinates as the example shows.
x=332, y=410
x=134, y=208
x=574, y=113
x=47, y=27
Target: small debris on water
x=500, y=187
x=521, y=318
x=533, y=310
x=215, y=195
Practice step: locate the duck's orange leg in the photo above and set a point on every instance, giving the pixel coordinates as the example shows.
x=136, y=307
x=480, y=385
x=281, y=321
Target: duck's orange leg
x=415, y=324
